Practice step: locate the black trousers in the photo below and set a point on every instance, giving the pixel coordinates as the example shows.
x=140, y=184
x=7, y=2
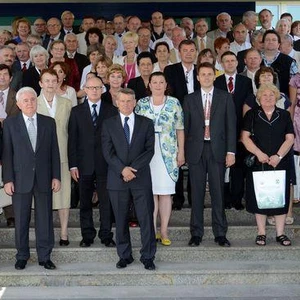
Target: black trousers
x=144, y=207
x=86, y=190
x=198, y=174
x=43, y=223
x=178, y=198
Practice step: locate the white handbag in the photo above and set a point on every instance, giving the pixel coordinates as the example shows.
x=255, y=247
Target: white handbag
x=269, y=187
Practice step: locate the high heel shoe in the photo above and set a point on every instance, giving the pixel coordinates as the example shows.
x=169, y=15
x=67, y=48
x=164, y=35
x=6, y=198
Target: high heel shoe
x=158, y=237
x=166, y=242
x=63, y=242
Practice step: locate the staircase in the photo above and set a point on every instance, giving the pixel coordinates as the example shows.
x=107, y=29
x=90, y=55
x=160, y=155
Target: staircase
x=243, y=263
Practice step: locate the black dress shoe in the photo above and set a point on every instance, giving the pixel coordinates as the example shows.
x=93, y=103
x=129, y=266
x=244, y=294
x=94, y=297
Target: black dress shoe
x=239, y=206
x=20, y=264
x=195, y=241
x=10, y=222
x=149, y=264
x=49, y=265
x=109, y=243
x=86, y=243
x=222, y=241
x=64, y=242
x=123, y=262
x=228, y=206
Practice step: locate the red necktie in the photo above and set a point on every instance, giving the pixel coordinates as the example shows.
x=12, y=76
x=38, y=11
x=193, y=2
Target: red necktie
x=207, y=117
x=24, y=67
x=230, y=85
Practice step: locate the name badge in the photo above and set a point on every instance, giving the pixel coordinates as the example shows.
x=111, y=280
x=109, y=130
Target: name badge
x=206, y=122
x=157, y=129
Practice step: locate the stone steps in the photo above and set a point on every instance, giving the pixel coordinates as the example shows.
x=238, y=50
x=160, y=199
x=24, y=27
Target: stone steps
x=177, y=273
x=243, y=263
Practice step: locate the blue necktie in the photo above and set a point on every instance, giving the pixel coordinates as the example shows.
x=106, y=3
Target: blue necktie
x=127, y=130
x=94, y=114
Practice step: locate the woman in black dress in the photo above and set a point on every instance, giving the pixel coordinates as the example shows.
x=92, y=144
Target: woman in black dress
x=273, y=138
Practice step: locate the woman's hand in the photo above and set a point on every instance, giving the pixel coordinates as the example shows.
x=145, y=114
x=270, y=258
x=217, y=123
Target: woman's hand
x=274, y=161
x=262, y=157
x=180, y=159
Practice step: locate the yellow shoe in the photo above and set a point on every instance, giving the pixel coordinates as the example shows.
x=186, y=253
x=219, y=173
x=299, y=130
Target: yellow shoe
x=158, y=237
x=166, y=242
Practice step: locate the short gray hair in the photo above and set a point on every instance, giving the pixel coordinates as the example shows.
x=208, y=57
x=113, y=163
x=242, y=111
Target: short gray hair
x=38, y=49
x=23, y=90
x=127, y=91
x=249, y=14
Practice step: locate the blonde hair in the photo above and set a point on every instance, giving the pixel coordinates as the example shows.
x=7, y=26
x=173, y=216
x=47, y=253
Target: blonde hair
x=116, y=68
x=129, y=35
x=268, y=87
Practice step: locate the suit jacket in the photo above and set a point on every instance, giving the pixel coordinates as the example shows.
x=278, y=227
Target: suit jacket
x=209, y=44
x=16, y=82
x=84, y=142
x=23, y=166
x=31, y=78
x=297, y=45
x=16, y=66
x=63, y=110
x=11, y=104
x=47, y=40
x=243, y=93
x=119, y=155
x=241, y=60
x=82, y=61
x=176, y=79
x=138, y=85
x=222, y=126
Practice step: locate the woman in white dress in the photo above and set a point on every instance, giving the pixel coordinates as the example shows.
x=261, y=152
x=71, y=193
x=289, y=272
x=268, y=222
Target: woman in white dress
x=52, y=105
x=62, y=69
x=167, y=116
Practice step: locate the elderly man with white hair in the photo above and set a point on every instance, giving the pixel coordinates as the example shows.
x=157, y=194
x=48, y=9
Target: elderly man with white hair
x=224, y=23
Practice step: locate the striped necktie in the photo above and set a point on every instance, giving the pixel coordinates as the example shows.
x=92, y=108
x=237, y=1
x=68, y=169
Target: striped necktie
x=94, y=115
x=127, y=130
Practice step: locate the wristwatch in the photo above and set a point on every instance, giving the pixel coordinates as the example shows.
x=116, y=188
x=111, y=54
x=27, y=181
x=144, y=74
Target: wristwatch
x=279, y=156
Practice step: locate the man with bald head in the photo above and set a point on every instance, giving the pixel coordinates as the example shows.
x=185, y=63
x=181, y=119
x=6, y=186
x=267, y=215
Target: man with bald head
x=87, y=164
x=239, y=35
x=54, y=27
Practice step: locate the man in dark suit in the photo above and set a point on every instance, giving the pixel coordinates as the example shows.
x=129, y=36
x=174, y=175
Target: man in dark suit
x=182, y=79
x=54, y=27
x=9, y=108
x=87, y=164
x=31, y=168
x=22, y=63
x=242, y=93
x=128, y=147
x=210, y=135
x=71, y=43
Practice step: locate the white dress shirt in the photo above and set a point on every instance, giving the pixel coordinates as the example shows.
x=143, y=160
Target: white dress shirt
x=130, y=123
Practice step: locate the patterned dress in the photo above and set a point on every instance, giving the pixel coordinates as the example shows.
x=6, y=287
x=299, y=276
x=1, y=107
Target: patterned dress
x=167, y=118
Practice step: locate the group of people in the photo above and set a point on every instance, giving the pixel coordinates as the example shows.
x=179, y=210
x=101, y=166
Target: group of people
x=121, y=112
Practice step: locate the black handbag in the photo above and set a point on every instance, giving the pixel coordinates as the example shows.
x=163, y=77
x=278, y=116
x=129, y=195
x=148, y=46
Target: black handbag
x=250, y=159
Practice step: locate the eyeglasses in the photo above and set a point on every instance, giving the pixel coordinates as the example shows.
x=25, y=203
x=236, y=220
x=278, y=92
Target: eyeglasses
x=92, y=88
x=52, y=25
